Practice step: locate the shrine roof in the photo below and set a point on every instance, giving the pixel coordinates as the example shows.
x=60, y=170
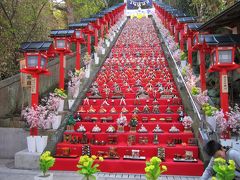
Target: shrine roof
x=61, y=32
x=78, y=25
x=98, y=15
x=188, y=19
x=220, y=39
x=35, y=46
x=194, y=26
x=86, y=20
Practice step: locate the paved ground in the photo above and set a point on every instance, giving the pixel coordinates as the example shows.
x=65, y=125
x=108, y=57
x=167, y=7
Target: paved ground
x=8, y=172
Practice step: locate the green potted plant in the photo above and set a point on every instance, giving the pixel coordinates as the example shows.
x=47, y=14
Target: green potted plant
x=88, y=167
x=183, y=58
x=153, y=169
x=209, y=112
x=224, y=170
x=195, y=90
x=45, y=162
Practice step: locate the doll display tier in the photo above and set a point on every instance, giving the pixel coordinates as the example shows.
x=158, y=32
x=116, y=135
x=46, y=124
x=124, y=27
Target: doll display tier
x=132, y=112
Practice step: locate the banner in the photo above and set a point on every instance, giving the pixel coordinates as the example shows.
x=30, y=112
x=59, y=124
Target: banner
x=135, y=4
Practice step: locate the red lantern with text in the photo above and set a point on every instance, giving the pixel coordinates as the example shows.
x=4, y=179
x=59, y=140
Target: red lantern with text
x=36, y=56
x=222, y=59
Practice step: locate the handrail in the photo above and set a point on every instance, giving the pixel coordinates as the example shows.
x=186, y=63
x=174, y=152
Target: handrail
x=180, y=74
x=201, y=129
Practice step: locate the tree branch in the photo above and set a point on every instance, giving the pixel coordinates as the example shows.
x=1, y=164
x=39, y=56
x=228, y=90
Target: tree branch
x=35, y=23
x=9, y=20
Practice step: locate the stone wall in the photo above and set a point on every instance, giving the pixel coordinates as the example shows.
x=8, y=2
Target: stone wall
x=13, y=97
x=12, y=140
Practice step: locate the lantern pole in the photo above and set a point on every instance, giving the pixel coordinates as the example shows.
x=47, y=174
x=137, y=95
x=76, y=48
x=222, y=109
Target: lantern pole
x=202, y=69
x=89, y=44
x=61, y=70
x=181, y=40
x=34, y=100
x=189, y=48
x=102, y=31
x=224, y=90
x=96, y=37
x=176, y=35
x=78, y=55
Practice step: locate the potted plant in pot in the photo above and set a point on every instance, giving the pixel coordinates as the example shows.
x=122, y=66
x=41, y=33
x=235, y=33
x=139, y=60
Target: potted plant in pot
x=60, y=93
x=183, y=58
x=234, y=121
x=45, y=162
x=53, y=103
x=209, y=112
x=223, y=170
x=36, y=117
x=153, y=169
x=87, y=62
x=88, y=167
x=74, y=85
x=96, y=52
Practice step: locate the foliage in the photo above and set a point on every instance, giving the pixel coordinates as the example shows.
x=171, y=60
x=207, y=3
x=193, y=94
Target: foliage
x=87, y=166
x=195, y=90
x=202, y=97
x=234, y=118
x=221, y=121
x=21, y=21
x=208, y=109
x=45, y=162
x=223, y=170
x=60, y=92
x=75, y=80
x=153, y=169
x=183, y=56
x=204, y=9
x=37, y=116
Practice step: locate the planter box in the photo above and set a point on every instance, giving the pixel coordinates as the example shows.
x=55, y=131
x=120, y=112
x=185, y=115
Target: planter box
x=31, y=144
x=87, y=71
x=56, y=122
x=76, y=92
x=183, y=63
x=96, y=58
x=103, y=51
x=212, y=122
x=61, y=105
x=41, y=143
x=70, y=103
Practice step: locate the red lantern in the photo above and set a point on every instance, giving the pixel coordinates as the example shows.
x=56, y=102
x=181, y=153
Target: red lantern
x=62, y=40
x=36, y=56
x=79, y=38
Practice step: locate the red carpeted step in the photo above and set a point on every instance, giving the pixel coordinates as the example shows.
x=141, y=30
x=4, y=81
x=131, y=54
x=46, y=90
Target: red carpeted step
x=132, y=61
x=133, y=166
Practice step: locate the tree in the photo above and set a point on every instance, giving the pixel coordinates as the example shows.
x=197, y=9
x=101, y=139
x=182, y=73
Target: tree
x=21, y=21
